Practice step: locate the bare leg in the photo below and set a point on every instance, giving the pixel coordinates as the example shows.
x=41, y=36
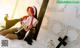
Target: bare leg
x=8, y=31
x=11, y=36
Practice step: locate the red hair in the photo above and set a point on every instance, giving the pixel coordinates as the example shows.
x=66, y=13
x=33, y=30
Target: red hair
x=31, y=9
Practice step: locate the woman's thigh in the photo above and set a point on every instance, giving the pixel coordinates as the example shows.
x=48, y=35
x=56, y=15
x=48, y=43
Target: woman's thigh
x=7, y=31
x=11, y=36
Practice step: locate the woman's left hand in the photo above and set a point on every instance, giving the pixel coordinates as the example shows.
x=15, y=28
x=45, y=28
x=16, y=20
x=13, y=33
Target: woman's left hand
x=30, y=26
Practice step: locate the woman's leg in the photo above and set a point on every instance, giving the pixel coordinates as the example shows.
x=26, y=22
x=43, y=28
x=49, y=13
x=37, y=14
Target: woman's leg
x=8, y=31
x=11, y=36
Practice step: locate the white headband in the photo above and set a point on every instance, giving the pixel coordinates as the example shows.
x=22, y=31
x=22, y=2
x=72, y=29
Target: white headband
x=34, y=10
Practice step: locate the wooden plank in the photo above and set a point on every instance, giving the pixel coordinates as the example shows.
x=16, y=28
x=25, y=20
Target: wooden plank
x=40, y=17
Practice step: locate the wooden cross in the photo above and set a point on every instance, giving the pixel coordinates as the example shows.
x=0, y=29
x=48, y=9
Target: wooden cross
x=40, y=17
x=62, y=41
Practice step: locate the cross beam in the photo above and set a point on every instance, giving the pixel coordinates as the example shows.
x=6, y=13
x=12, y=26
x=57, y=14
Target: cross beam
x=40, y=17
x=62, y=41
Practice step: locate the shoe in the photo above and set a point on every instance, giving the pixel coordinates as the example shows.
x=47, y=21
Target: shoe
x=28, y=40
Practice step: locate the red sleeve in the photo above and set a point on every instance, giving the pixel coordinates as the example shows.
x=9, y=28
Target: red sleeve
x=23, y=18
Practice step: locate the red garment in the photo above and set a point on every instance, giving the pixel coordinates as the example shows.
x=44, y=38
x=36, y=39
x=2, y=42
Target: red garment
x=25, y=18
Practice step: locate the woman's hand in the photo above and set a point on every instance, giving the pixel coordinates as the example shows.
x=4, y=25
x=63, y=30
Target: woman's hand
x=30, y=26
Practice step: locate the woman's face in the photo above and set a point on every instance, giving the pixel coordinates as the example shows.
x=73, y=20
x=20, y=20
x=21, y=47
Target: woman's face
x=29, y=12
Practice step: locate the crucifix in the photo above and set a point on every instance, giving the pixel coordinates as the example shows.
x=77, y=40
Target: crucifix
x=31, y=35
x=62, y=41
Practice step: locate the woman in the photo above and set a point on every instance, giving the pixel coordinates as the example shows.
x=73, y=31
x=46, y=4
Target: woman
x=27, y=23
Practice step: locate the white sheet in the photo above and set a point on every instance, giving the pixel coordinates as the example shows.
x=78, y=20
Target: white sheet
x=22, y=44
x=42, y=41
x=13, y=43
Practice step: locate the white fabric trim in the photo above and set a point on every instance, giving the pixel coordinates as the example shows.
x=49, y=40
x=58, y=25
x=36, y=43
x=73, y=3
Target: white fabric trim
x=28, y=21
x=34, y=10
